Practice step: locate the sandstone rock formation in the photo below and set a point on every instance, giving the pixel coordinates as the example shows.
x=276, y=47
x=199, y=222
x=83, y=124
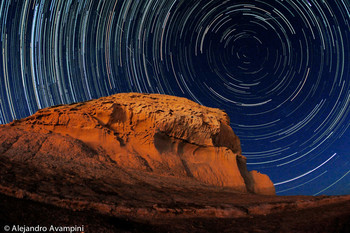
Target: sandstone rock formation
x=158, y=134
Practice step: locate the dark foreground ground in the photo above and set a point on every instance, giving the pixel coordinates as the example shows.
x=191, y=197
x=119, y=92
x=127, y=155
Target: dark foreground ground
x=334, y=218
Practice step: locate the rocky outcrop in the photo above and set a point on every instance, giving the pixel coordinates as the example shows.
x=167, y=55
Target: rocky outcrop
x=158, y=134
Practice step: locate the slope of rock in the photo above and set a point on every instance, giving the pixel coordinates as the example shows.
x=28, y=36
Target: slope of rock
x=318, y=218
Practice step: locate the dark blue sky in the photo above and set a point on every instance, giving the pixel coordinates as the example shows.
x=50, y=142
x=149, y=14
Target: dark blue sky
x=280, y=69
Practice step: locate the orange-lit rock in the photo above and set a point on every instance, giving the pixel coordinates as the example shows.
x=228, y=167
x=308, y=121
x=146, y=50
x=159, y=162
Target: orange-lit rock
x=159, y=134
x=262, y=183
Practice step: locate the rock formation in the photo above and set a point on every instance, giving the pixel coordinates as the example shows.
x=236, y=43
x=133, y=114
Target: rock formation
x=145, y=163
x=158, y=134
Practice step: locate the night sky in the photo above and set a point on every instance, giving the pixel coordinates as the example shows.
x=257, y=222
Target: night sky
x=280, y=69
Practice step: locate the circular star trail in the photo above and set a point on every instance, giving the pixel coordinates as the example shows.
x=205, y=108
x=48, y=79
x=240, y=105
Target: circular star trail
x=278, y=68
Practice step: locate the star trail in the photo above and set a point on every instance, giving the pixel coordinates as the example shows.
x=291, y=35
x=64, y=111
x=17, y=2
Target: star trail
x=279, y=68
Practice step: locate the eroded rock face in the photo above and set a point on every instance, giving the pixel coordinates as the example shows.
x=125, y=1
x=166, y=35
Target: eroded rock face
x=161, y=134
